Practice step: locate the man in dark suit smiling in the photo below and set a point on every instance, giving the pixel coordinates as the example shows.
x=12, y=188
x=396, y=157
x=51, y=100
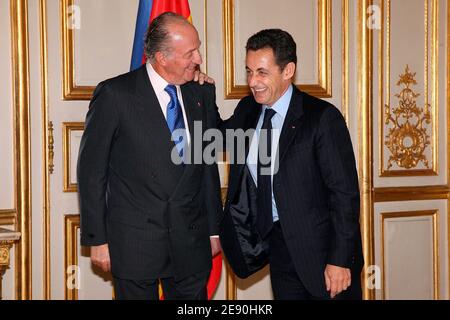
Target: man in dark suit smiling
x=148, y=212
x=299, y=210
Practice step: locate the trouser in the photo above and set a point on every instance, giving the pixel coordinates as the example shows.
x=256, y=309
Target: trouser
x=190, y=288
x=286, y=284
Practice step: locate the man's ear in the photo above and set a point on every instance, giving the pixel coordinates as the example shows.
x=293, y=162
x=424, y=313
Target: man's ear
x=160, y=58
x=289, y=71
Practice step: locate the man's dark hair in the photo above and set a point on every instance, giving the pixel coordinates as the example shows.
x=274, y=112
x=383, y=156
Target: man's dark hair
x=157, y=36
x=283, y=45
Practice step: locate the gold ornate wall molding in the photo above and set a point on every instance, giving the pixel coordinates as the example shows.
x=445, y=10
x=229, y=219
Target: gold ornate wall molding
x=7, y=239
x=47, y=149
x=71, y=229
x=407, y=146
x=429, y=192
x=345, y=60
x=408, y=136
x=72, y=91
x=7, y=217
x=411, y=193
x=68, y=128
x=365, y=142
x=448, y=139
x=21, y=92
x=434, y=214
x=322, y=89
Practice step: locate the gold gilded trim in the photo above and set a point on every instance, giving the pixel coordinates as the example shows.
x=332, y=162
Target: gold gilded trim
x=407, y=137
x=323, y=89
x=230, y=286
x=21, y=92
x=51, y=147
x=448, y=139
x=71, y=91
x=384, y=74
x=71, y=226
x=411, y=193
x=47, y=148
x=7, y=217
x=435, y=221
x=365, y=133
x=68, y=127
x=345, y=61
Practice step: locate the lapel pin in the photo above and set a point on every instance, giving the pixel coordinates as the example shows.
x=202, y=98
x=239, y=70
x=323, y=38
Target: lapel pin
x=199, y=104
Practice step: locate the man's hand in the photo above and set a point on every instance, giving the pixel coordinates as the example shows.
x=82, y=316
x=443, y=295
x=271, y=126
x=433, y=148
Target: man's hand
x=216, y=248
x=201, y=78
x=100, y=257
x=337, y=279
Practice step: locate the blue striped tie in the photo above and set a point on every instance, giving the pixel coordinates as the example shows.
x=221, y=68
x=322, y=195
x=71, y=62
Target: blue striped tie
x=175, y=120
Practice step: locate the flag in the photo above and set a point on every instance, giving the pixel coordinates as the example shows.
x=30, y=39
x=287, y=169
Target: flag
x=147, y=11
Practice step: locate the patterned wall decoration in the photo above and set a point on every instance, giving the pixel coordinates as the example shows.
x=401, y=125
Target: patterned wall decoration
x=408, y=137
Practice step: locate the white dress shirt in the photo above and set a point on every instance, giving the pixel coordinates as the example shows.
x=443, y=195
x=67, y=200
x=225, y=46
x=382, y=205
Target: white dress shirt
x=159, y=84
x=281, y=108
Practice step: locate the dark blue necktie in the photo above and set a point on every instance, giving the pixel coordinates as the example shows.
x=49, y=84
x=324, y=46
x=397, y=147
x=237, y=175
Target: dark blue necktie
x=175, y=120
x=264, y=221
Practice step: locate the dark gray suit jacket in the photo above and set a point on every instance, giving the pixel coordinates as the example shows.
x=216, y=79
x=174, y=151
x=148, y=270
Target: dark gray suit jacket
x=316, y=192
x=155, y=216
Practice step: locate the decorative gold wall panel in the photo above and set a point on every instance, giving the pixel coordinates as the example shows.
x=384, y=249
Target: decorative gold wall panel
x=7, y=143
x=409, y=131
x=71, y=227
x=68, y=128
x=321, y=89
x=396, y=215
x=73, y=91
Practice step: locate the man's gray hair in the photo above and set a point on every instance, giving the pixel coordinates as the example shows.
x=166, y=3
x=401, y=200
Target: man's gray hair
x=157, y=36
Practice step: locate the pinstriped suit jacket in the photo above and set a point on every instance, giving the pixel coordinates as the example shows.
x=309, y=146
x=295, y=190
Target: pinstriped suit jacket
x=155, y=216
x=316, y=192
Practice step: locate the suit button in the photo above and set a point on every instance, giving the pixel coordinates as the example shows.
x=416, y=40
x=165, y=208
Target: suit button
x=192, y=227
x=90, y=235
x=149, y=220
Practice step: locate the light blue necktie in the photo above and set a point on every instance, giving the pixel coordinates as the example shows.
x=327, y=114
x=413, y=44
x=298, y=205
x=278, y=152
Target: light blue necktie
x=175, y=120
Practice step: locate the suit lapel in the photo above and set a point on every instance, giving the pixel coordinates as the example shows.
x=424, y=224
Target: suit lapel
x=192, y=107
x=291, y=123
x=158, y=131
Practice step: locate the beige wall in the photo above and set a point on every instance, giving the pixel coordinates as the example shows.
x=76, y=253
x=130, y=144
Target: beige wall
x=404, y=210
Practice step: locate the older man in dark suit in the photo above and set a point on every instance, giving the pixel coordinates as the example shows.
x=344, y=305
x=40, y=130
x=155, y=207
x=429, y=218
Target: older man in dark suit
x=148, y=212
x=294, y=201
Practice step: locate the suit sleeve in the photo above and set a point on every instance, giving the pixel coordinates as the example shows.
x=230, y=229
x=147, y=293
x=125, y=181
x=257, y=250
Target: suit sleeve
x=211, y=179
x=101, y=126
x=338, y=169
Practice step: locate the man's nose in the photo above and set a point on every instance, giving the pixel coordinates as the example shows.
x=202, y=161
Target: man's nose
x=251, y=80
x=198, y=57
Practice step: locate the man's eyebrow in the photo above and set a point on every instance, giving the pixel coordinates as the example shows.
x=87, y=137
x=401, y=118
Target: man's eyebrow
x=259, y=69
